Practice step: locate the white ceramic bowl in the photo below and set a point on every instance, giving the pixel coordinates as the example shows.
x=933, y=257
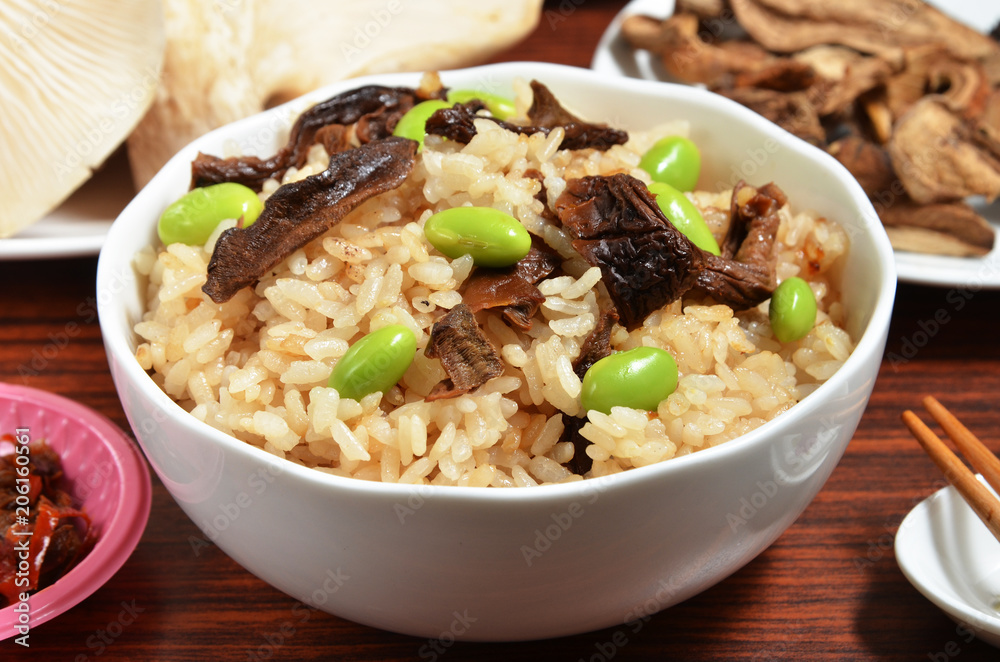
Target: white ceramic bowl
x=488, y=564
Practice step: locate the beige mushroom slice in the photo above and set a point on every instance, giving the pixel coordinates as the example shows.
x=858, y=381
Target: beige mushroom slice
x=867, y=161
x=850, y=74
x=77, y=77
x=678, y=42
x=938, y=158
x=871, y=26
x=943, y=229
x=962, y=85
x=229, y=59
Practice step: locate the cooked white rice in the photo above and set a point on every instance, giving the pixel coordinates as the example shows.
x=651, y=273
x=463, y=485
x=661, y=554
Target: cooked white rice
x=256, y=367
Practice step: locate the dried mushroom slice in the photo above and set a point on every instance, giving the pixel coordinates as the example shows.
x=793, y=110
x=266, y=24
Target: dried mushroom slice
x=952, y=228
x=458, y=123
x=301, y=211
x=77, y=77
x=317, y=124
x=787, y=26
x=937, y=157
x=467, y=355
x=646, y=262
x=685, y=55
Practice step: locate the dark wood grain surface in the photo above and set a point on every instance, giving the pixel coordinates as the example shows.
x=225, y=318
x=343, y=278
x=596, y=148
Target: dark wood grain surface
x=828, y=589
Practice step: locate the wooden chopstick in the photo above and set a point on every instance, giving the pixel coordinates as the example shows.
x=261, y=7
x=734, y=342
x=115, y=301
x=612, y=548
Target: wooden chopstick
x=979, y=498
x=975, y=451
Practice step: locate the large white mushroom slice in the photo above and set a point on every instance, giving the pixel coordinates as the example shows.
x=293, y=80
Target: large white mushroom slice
x=229, y=59
x=75, y=78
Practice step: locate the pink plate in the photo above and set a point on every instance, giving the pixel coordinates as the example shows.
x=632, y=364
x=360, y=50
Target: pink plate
x=106, y=474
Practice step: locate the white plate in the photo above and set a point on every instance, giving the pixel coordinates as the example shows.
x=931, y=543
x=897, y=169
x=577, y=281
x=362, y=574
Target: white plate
x=615, y=56
x=950, y=556
x=78, y=227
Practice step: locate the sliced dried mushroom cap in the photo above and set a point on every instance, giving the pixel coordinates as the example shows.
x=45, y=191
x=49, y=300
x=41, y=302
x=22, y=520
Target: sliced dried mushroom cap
x=228, y=60
x=962, y=85
x=683, y=52
x=77, y=77
x=300, y=211
x=946, y=229
x=703, y=9
x=870, y=26
x=467, y=355
x=937, y=158
x=868, y=162
x=792, y=111
x=847, y=75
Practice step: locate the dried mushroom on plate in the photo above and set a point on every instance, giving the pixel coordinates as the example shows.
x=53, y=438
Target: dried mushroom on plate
x=903, y=96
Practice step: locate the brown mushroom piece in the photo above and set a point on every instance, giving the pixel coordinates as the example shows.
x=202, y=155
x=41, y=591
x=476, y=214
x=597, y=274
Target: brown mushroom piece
x=301, y=211
x=458, y=123
x=951, y=228
x=792, y=111
x=845, y=75
x=685, y=55
x=645, y=261
x=512, y=288
x=597, y=344
x=343, y=109
x=962, y=85
x=467, y=355
x=880, y=27
x=867, y=161
x=937, y=157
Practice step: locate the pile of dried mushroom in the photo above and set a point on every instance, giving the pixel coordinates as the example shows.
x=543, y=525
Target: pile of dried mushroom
x=906, y=98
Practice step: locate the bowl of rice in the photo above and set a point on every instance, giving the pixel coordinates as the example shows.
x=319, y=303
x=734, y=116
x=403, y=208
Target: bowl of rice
x=501, y=509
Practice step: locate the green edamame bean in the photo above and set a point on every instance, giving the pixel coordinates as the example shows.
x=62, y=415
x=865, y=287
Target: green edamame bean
x=193, y=217
x=374, y=363
x=491, y=237
x=413, y=123
x=640, y=378
x=792, y=310
x=501, y=107
x=673, y=160
x=685, y=216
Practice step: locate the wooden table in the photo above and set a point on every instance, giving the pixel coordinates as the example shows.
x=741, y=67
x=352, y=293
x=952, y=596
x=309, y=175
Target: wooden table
x=828, y=589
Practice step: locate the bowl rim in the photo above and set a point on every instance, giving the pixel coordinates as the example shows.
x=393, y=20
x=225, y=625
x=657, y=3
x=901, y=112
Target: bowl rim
x=118, y=537
x=868, y=347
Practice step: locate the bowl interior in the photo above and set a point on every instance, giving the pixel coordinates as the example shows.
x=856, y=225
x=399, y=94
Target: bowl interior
x=735, y=142
x=105, y=474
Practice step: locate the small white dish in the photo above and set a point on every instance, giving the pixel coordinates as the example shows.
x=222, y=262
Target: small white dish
x=79, y=226
x=614, y=56
x=950, y=556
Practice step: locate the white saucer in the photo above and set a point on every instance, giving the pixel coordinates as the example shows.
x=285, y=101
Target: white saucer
x=950, y=556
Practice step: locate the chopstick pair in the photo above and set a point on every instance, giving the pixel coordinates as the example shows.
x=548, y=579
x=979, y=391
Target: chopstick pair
x=982, y=501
